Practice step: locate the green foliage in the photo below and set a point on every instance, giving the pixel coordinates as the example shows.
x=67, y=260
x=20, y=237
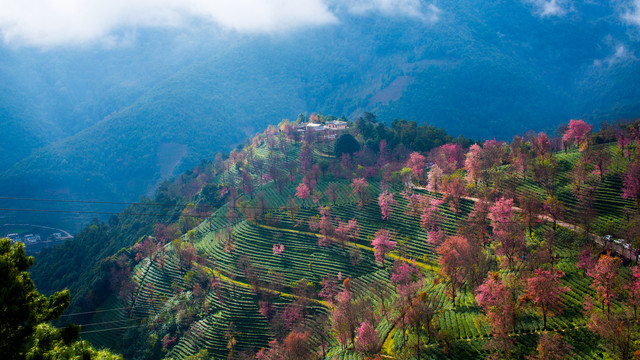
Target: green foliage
x=23, y=308
x=25, y=313
x=346, y=144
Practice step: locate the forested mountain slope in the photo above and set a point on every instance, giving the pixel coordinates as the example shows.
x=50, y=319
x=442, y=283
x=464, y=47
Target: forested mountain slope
x=468, y=68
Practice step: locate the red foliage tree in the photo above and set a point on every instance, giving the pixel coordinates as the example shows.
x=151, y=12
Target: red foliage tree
x=454, y=188
x=494, y=299
x=551, y=347
x=544, y=289
x=541, y=145
x=606, y=280
x=455, y=262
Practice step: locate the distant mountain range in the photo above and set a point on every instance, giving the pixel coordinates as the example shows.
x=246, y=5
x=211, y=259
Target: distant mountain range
x=110, y=124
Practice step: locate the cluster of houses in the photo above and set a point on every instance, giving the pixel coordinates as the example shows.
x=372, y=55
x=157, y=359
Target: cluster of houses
x=31, y=239
x=328, y=131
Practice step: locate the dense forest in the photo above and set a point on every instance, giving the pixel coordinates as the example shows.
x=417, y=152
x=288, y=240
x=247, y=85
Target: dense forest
x=313, y=241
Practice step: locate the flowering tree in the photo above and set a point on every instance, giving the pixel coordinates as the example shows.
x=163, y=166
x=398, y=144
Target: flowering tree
x=367, y=339
x=531, y=207
x=507, y=230
x=434, y=178
x=332, y=192
x=278, y=249
x=329, y=288
x=473, y=163
x=545, y=290
x=541, y=145
x=631, y=183
x=348, y=230
x=520, y=155
x=359, y=187
x=606, y=280
x=454, y=188
x=435, y=236
x=634, y=291
x=414, y=202
x=554, y=209
x=386, y=201
x=297, y=346
x=479, y=223
x=404, y=275
x=579, y=132
x=303, y=192
x=344, y=318
x=494, y=299
x=305, y=159
x=324, y=224
x=430, y=216
x=382, y=244
x=551, y=347
x=418, y=163
x=455, y=263
x=448, y=157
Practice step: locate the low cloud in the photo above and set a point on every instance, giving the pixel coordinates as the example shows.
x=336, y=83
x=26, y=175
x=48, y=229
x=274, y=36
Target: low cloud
x=50, y=23
x=59, y=22
x=551, y=8
x=408, y=8
x=632, y=15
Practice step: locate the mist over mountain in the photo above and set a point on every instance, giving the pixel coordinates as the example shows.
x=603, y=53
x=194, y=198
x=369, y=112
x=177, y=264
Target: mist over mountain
x=109, y=119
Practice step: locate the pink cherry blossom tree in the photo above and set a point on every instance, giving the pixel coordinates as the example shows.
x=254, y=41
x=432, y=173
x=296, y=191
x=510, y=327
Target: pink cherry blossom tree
x=386, y=201
x=507, y=230
x=544, y=289
x=631, y=183
x=360, y=188
x=494, y=299
x=473, y=163
x=578, y=132
x=418, y=163
x=303, y=192
x=382, y=244
x=434, y=178
x=367, y=339
x=278, y=249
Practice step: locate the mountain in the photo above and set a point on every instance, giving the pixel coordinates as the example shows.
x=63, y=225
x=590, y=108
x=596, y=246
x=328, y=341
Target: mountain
x=235, y=259
x=124, y=119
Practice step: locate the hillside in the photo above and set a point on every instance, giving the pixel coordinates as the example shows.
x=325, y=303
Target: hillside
x=296, y=252
x=473, y=72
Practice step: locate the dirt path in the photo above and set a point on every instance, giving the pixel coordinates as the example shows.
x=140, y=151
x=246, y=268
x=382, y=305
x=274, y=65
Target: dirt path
x=616, y=248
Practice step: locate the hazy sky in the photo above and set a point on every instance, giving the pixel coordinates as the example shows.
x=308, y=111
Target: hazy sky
x=62, y=22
